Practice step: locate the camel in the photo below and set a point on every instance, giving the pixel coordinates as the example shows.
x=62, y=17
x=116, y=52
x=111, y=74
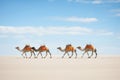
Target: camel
x=42, y=48
x=27, y=48
x=87, y=48
x=68, y=48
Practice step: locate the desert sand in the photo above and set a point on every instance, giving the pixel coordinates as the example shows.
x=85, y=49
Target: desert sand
x=18, y=68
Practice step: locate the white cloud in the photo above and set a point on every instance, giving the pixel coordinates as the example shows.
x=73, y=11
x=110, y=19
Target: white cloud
x=78, y=19
x=79, y=1
x=51, y=0
x=69, y=0
x=118, y=37
x=3, y=36
x=95, y=1
x=116, y=12
x=58, y=30
x=16, y=30
x=44, y=30
x=103, y=33
x=115, y=1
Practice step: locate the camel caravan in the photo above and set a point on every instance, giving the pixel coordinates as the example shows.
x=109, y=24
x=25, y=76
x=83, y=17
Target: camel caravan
x=68, y=48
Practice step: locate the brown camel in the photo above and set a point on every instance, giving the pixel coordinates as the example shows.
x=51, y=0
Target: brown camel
x=68, y=48
x=42, y=48
x=87, y=48
x=27, y=48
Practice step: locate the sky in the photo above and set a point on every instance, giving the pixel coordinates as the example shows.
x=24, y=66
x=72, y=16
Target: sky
x=57, y=23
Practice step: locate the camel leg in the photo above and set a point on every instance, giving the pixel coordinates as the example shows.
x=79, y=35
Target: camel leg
x=75, y=54
x=83, y=54
x=34, y=55
x=30, y=55
x=71, y=55
x=46, y=54
x=23, y=55
x=64, y=55
x=88, y=54
x=38, y=54
x=96, y=54
x=41, y=55
x=49, y=54
x=91, y=55
x=68, y=54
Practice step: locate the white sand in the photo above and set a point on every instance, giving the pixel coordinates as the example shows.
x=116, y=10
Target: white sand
x=17, y=68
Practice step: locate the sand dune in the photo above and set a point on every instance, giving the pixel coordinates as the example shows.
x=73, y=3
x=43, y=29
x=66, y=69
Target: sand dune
x=17, y=68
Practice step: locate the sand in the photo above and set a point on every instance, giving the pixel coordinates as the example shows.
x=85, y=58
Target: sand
x=18, y=68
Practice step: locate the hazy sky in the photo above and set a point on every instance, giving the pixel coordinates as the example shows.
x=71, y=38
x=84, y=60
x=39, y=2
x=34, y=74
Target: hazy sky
x=60, y=22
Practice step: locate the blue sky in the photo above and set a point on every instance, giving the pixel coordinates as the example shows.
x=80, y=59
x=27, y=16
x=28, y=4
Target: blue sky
x=60, y=22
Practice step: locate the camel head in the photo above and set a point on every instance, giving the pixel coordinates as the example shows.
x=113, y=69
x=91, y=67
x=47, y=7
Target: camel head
x=60, y=49
x=34, y=49
x=17, y=48
x=79, y=47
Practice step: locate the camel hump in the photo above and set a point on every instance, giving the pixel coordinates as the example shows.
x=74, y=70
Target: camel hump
x=89, y=46
x=43, y=47
x=68, y=45
x=27, y=46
